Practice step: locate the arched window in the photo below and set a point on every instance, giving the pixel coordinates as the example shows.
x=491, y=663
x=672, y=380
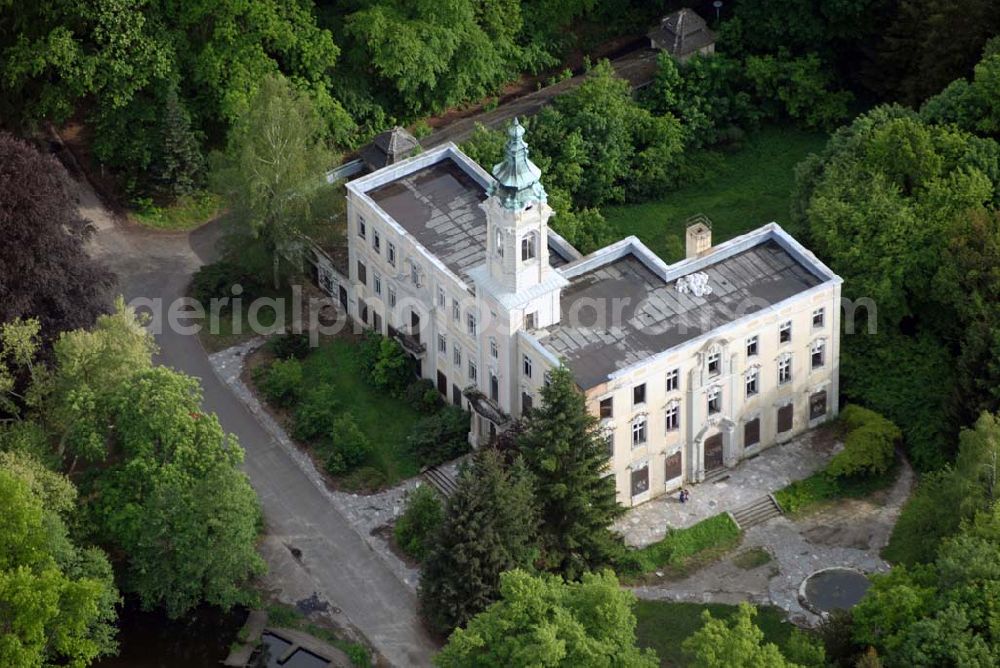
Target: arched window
x=529, y=244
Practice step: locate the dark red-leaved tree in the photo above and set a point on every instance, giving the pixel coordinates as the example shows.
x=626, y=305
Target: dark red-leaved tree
x=45, y=271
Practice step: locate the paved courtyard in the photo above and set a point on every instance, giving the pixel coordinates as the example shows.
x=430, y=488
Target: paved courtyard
x=850, y=533
x=766, y=473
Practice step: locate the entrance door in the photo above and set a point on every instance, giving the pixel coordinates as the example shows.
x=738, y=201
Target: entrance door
x=713, y=453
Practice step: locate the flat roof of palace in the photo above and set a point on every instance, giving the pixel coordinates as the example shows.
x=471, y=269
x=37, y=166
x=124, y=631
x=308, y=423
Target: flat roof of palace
x=439, y=206
x=654, y=315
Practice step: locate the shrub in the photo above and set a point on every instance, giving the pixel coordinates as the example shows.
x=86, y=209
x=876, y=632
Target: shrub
x=216, y=280
x=422, y=396
x=869, y=447
x=280, y=382
x=440, y=437
x=386, y=364
x=349, y=446
x=418, y=524
x=316, y=414
x=290, y=345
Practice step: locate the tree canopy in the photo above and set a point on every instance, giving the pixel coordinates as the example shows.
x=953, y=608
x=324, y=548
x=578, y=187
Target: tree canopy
x=45, y=273
x=58, y=599
x=540, y=620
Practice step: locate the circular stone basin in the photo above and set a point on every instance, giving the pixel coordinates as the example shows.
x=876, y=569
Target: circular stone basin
x=833, y=589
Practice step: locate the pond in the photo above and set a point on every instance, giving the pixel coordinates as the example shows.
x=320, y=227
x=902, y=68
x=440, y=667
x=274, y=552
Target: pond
x=152, y=640
x=833, y=589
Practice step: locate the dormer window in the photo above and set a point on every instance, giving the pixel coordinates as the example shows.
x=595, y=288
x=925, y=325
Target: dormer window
x=529, y=245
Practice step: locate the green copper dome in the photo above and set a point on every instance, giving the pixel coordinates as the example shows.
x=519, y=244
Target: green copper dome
x=517, y=178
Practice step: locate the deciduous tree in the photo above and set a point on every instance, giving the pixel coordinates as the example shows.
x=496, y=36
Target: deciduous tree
x=736, y=644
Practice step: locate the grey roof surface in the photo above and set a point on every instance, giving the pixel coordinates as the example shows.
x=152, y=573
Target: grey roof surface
x=389, y=147
x=656, y=316
x=682, y=32
x=439, y=206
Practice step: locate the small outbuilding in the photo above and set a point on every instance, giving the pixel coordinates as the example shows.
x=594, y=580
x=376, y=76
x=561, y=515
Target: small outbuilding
x=683, y=34
x=389, y=148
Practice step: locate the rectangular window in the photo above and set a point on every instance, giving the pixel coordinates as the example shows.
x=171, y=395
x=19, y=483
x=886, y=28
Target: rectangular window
x=817, y=405
x=714, y=400
x=752, y=346
x=638, y=432
x=376, y=241
x=819, y=315
x=494, y=387
x=640, y=480
x=442, y=344
x=784, y=369
x=472, y=371
x=714, y=363
x=392, y=298
x=376, y=321
x=672, y=469
x=607, y=408
x=673, y=380
x=673, y=417
x=529, y=320
x=639, y=395
x=494, y=352
x=456, y=310
x=415, y=275
x=362, y=229
x=785, y=418
x=751, y=432
x=785, y=332
x=472, y=324
x=377, y=280
x=818, y=354
x=526, y=402
x=442, y=300
x=753, y=384
x=456, y=356
x=391, y=254
x=456, y=395
x=526, y=366
x=609, y=443
x=362, y=273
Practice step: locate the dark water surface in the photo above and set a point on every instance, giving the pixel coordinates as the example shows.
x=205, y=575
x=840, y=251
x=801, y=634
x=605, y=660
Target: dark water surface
x=836, y=589
x=151, y=640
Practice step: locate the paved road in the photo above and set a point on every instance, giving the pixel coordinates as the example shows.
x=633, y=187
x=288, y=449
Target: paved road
x=638, y=68
x=335, y=562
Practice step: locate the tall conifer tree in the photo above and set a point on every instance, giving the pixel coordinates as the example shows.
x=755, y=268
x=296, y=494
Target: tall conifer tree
x=490, y=527
x=563, y=447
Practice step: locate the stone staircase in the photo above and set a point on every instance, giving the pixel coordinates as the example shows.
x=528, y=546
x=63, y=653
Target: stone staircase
x=757, y=512
x=441, y=479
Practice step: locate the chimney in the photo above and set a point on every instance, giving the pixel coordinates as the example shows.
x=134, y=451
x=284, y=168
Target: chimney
x=697, y=235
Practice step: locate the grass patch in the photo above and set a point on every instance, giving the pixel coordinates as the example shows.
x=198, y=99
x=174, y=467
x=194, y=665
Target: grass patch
x=286, y=616
x=809, y=494
x=230, y=331
x=664, y=625
x=385, y=421
x=751, y=188
x=753, y=558
x=186, y=213
x=683, y=551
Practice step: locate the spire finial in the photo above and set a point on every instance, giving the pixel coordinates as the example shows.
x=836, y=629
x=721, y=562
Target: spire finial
x=517, y=178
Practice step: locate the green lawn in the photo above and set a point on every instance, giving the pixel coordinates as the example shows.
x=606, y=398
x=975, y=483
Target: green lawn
x=384, y=420
x=685, y=550
x=187, y=213
x=751, y=189
x=664, y=625
x=820, y=489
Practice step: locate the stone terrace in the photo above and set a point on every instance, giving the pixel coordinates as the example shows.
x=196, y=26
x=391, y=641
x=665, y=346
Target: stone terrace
x=753, y=478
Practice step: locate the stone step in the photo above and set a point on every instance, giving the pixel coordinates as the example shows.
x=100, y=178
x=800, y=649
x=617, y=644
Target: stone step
x=440, y=480
x=756, y=512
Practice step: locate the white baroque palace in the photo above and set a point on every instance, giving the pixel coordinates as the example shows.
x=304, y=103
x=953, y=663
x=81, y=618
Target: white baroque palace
x=690, y=367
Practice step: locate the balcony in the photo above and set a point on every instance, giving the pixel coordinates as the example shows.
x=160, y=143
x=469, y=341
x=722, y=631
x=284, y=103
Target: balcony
x=410, y=342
